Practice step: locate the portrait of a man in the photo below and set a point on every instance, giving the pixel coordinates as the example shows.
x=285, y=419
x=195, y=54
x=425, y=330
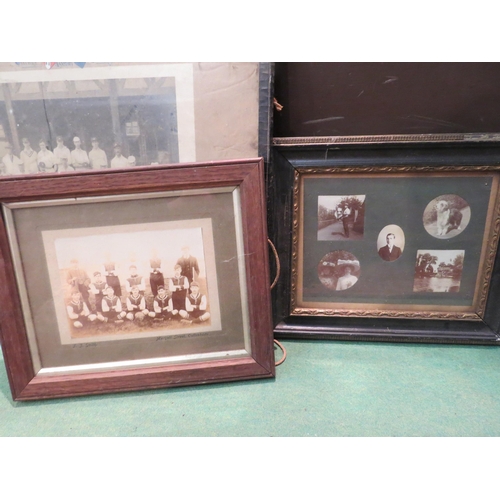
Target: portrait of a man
x=390, y=251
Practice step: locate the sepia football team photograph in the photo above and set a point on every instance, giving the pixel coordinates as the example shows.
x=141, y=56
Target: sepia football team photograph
x=133, y=283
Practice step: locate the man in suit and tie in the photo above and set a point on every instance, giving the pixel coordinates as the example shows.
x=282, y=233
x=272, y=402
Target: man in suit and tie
x=390, y=252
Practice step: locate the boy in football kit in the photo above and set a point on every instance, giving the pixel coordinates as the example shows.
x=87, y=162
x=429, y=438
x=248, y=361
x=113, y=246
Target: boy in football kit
x=135, y=280
x=136, y=305
x=189, y=265
x=79, y=280
x=162, y=305
x=78, y=312
x=179, y=286
x=196, y=306
x=156, y=278
x=112, y=306
x=97, y=288
x=111, y=279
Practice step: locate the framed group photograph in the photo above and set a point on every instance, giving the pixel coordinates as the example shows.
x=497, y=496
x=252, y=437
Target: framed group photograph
x=390, y=242
x=133, y=280
x=66, y=116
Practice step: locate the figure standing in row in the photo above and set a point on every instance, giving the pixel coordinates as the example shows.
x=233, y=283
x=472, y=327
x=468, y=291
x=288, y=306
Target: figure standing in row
x=97, y=156
x=29, y=157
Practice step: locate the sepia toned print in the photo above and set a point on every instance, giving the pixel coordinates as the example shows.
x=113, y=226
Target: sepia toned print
x=446, y=216
x=339, y=270
x=390, y=243
x=341, y=217
x=438, y=270
x=131, y=282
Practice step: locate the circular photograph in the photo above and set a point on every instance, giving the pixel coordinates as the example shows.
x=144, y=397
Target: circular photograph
x=446, y=216
x=390, y=243
x=339, y=270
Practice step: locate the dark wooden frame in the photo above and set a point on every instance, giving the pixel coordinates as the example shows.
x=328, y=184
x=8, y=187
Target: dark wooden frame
x=467, y=153
x=248, y=175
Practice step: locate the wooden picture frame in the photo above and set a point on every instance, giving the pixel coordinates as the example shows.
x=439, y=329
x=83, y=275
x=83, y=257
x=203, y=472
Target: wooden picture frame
x=71, y=244
x=339, y=204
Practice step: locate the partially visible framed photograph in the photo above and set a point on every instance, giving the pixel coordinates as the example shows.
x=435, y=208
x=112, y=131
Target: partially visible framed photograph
x=134, y=280
x=60, y=117
x=380, y=247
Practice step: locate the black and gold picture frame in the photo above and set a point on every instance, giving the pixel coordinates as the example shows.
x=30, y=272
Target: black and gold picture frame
x=130, y=280
x=380, y=246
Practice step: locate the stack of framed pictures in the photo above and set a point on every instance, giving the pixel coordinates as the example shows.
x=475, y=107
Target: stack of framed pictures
x=392, y=238
x=133, y=240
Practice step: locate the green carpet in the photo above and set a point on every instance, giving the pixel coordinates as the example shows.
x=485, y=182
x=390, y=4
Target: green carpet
x=322, y=389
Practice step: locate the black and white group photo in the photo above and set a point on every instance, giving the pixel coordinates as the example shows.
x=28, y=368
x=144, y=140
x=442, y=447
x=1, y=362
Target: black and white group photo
x=83, y=123
x=133, y=282
x=390, y=243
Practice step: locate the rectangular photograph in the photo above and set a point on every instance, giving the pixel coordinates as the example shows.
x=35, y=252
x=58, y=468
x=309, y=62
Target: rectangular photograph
x=341, y=217
x=438, y=271
x=133, y=281
x=94, y=116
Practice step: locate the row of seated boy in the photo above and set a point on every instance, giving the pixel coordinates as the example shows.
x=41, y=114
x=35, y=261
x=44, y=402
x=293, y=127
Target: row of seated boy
x=188, y=308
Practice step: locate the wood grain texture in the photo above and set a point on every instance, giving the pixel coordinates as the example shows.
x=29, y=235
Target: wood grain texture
x=246, y=174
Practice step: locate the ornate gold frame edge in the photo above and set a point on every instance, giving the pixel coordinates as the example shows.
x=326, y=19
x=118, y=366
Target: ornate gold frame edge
x=486, y=271
x=387, y=139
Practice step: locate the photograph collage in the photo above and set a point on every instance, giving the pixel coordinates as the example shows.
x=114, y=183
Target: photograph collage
x=342, y=218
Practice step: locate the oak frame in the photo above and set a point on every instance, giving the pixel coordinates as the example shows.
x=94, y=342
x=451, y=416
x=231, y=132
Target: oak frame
x=246, y=176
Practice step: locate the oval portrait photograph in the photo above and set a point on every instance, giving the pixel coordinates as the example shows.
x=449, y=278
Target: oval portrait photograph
x=339, y=270
x=390, y=243
x=446, y=216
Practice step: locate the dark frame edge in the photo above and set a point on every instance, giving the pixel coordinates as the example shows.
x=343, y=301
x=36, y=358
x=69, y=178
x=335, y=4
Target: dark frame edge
x=280, y=191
